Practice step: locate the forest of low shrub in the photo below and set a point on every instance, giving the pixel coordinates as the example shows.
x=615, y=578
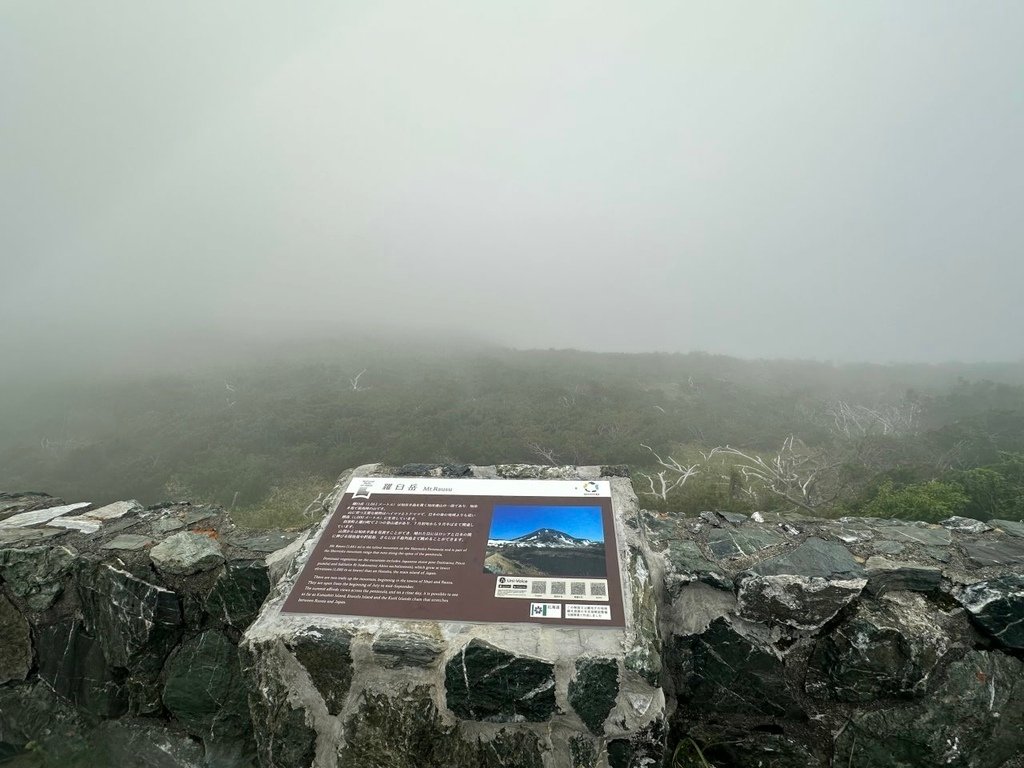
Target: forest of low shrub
x=697, y=431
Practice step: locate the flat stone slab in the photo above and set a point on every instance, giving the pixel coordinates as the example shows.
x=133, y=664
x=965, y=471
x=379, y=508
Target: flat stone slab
x=16, y=536
x=39, y=516
x=814, y=557
x=965, y=525
x=268, y=542
x=732, y=543
x=1012, y=527
x=886, y=575
x=129, y=542
x=1007, y=550
x=186, y=553
x=93, y=520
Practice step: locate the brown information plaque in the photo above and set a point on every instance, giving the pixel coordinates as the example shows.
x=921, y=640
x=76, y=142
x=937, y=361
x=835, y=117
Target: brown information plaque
x=541, y=551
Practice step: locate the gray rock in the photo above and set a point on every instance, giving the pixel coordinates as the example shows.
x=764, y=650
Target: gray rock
x=406, y=649
x=15, y=536
x=938, y=553
x=446, y=470
x=128, y=542
x=887, y=547
x=803, y=602
x=593, y=691
x=26, y=501
x=198, y=515
x=931, y=536
x=885, y=649
x=238, y=593
x=145, y=743
x=893, y=529
x=815, y=557
x=1012, y=527
x=643, y=652
x=643, y=749
x=267, y=542
x=186, y=553
x=167, y=525
x=71, y=662
x=965, y=525
x=204, y=691
x=741, y=674
x=731, y=543
x=284, y=736
x=725, y=745
x=39, y=516
x=93, y=520
x=974, y=719
x=15, y=643
x=136, y=622
x=997, y=607
x=1007, y=550
x=885, y=575
x=694, y=607
x=685, y=563
x=31, y=714
x=408, y=732
x=582, y=753
x=327, y=657
x=37, y=575
x=720, y=518
x=483, y=682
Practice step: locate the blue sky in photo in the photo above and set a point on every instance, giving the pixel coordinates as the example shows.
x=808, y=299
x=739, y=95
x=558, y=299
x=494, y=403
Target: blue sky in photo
x=510, y=522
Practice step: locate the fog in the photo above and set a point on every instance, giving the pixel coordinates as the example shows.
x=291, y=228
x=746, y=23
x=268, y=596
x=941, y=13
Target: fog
x=802, y=180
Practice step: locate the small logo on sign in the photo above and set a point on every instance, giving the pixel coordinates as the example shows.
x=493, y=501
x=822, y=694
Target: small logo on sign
x=546, y=610
x=590, y=487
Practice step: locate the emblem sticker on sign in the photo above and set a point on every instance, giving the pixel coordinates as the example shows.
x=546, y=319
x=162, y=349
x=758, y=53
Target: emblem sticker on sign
x=467, y=550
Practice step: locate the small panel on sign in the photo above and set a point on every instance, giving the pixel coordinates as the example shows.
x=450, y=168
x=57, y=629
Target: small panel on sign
x=455, y=549
x=556, y=589
x=546, y=610
x=588, y=612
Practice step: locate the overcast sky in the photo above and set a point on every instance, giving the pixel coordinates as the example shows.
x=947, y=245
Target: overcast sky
x=821, y=180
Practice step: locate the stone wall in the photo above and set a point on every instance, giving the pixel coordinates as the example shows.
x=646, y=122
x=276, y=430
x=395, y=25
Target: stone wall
x=119, y=630
x=861, y=642
x=127, y=635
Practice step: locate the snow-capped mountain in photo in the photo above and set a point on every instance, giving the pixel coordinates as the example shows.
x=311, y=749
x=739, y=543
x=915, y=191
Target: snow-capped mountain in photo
x=543, y=537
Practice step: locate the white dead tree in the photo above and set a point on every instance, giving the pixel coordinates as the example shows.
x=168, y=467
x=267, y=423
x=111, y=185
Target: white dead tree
x=316, y=505
x=852, y=420
x=674, y=475
x=354, y=381
x=792, y=473
x=548, y=454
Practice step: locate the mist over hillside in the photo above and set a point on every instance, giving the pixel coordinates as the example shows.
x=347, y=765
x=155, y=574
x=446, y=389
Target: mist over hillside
x=265, y=431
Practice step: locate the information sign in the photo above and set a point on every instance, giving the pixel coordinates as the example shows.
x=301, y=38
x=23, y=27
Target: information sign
x=475, y=550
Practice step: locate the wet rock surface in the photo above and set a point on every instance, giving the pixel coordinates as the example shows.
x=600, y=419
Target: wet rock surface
x=485, y=683
x=106, y=660
x=326, y=655
x=997, y=607
x=593, y=691
x=854, y=642
x=186, y=553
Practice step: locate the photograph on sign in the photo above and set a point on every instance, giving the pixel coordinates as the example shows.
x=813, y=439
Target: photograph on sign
x=467, y=550
x=546, y=541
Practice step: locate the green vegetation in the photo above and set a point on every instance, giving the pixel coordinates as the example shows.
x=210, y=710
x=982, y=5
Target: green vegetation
x=264, y=439
x=932, y=501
